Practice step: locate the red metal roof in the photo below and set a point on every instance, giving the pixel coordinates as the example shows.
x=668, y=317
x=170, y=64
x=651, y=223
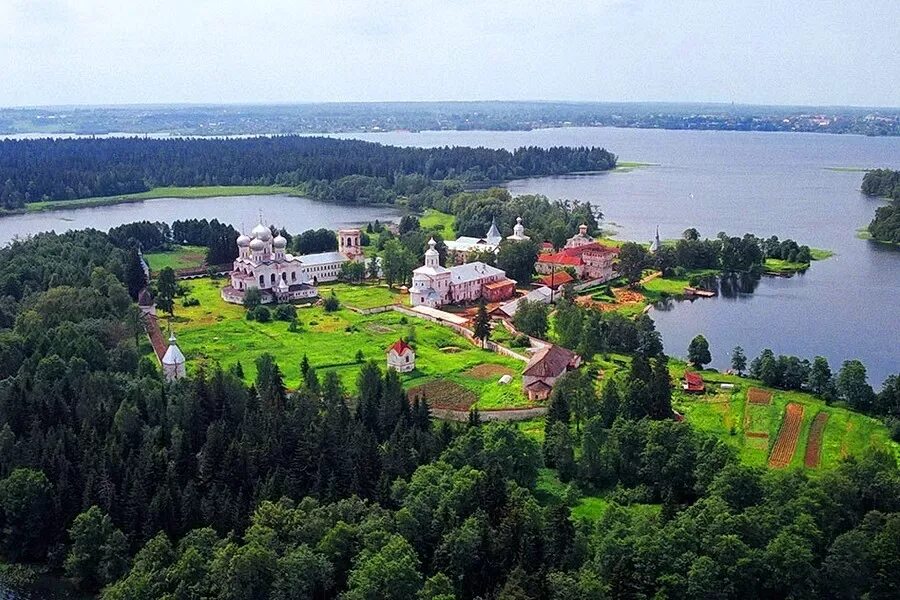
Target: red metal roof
x=496, y=285
x=556, y=279
x=693, y=379
x=400, y=346
x=560, y=258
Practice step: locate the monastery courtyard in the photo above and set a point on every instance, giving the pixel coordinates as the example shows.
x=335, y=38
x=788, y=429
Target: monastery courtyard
x=218, y=332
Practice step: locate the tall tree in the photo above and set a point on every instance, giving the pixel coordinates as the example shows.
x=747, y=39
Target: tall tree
x=135, y=277
x=632, y=260
x=517, y=258
x=166, y=289
x=738, y=360
x=698, y=352
x=482, y=324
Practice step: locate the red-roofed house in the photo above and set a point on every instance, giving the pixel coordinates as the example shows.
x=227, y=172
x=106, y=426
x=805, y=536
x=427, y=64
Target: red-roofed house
x=556, y=280
x=693, y=383
x=401, y=357
x=545, y=367
x=590, y=261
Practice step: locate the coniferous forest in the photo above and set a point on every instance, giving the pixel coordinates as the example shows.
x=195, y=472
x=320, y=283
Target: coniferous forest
x=65, y=169
x=208, y=487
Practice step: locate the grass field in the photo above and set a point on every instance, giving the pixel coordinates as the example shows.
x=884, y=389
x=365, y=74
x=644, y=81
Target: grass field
x=216, y=331
x=181, y=257
x=443, y=222
x=362, y=296
x=728, y=415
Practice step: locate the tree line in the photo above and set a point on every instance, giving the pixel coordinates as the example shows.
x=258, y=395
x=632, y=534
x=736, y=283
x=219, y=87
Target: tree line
x=357, y=171
x=220, y=239
x=729, y=254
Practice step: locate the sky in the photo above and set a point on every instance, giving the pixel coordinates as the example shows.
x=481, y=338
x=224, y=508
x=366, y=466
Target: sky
x=808, y=52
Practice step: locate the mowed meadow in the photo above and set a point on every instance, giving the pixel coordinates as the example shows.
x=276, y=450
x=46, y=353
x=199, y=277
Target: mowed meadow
x=216, y=332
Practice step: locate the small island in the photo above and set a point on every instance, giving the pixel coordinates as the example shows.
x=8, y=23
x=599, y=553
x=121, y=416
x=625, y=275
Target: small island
x=885, y=227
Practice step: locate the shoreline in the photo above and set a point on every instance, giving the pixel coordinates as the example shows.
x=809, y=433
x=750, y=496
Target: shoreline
x=153, y=194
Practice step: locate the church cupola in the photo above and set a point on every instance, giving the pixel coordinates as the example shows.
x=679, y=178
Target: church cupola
x=432, y=257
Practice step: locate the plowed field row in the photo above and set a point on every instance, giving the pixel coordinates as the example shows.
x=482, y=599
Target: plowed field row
x=786, y=444
x=814, y=442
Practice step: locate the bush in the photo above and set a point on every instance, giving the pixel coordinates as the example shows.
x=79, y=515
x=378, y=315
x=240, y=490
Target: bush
x=332, y=303
x=894, y=427
x=188, y=301
x=520, y=341
x=285, y=312
x=262, y=314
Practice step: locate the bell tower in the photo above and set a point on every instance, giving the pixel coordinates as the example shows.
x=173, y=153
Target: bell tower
x=349, y=243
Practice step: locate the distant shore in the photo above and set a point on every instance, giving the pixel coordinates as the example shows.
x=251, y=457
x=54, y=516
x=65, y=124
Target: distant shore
x=159, y=192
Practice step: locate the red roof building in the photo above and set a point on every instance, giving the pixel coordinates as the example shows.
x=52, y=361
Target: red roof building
x=401, y=357
x=693, y=383
x=556, y=279
x=590, y=261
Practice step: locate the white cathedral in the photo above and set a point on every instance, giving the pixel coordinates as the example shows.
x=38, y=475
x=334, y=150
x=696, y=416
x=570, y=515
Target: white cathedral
x=263, y=263
x=460, y=248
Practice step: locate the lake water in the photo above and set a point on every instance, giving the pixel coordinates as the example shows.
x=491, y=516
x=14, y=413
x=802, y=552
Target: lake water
x=291, y=212
x=763, y=183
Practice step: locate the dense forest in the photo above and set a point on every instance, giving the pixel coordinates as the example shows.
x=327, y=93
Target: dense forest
x=211, y=488
x=884, y=183
x=64, y=169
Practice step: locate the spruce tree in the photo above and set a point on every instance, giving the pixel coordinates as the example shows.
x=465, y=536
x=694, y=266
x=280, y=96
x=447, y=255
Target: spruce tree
x=482, y=326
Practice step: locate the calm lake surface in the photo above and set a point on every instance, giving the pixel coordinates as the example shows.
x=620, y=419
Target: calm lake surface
x=764, y=183
x=291, y=212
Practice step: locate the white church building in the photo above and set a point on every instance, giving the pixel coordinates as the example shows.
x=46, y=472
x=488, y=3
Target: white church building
x=263, y=263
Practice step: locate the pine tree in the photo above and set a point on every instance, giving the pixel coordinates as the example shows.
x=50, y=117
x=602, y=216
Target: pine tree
x=482, y=326
x=135, y=277
x=166, y=289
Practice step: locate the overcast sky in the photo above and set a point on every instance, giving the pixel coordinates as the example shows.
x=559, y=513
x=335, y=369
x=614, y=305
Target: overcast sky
x=164, y=51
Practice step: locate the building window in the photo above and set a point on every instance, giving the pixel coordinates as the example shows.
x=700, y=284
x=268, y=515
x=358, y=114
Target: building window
x=262, y=281
x=272, y=278
x=294, y=276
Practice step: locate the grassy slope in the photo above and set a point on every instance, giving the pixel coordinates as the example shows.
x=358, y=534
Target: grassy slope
x=727, y=414
x=160, y=192
x=218, y=332
x=443, y=222
x=181, y=257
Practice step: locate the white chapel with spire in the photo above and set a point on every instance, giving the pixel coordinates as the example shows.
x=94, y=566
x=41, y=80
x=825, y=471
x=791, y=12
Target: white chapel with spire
x=173, y=361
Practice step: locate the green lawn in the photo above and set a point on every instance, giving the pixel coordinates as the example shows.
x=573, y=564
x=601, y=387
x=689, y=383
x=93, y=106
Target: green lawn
x=365, y=295
x=656, y=289
x=216, y=331
x=163, y=192
x=181, y=257
x=443, y=222
x=728, y=415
